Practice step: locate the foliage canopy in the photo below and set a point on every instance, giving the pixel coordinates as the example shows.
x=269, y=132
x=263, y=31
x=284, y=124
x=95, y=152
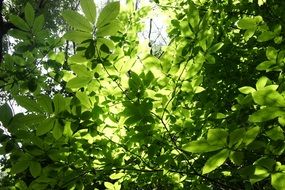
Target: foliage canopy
x=107, y=110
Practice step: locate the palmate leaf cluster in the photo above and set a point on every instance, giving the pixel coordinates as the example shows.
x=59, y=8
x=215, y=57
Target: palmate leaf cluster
x=208, y=112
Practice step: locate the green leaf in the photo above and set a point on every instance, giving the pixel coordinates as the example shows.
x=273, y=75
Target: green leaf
x=236, y=137
x=29, y=104
x=268, y=97
x=259, y=174
x=19, y=22
x=59, y=103
x=109, y=185
x=278, y=181
x=78, y=82
x=276, y=133
x=108, y=14
x=246, y=89
x=77, y=21
x=262, y=114
x=261, y=83
x=200, y=146
x=265, y=36
x=21, y=165
x=29, y=14
x=236, y=157
x=45, y=126
x=89, y=9
x=6, y=114
x=265, y=65
x=247, y=23
x=217, y=137
x=77, y=36
x=84, y=99
x=35, y=168
x=57, y=130
x=81, y=70
x=108, y=29
x=215, y=161
x=250, y=135
x=38, y=24
x=115, y=176
x=271, y=53
x=215, y=47
x=266, y=163
x=45, y=103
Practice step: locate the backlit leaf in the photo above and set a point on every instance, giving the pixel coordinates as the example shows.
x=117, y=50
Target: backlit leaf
x=89, y=9
x=108, y=14
x=250, y=135
x=268, y=97
x=217, y=137
x=200, y=146
x=278, y=180
x=215, y=161
x=262, y=114
x=45, y=126
x=77, y=21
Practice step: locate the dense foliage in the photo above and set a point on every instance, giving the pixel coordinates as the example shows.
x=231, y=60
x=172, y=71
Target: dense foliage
x=108, y=110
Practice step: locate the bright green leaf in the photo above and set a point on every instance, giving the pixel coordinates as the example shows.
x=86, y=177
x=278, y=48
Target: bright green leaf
x=200, y=146
x=278, y=181
x=115, y=176
x=108, y=14
x=89, y=9
x=247, y=23
x=215, y=47
x=261, y=83
x=265, y=36
x=262, y=114
x=109, y=185
x=246, y=89
x=215, y=161
x=217, y=137
x=276, y=133
x=268, y=97
x=77, y=21
x=59, y=103
x=77, y=36
x=250, y=135
x=78, y=82
x=84, y=99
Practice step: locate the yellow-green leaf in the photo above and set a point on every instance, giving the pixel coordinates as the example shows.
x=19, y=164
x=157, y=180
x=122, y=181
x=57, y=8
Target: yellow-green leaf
x=89, y=9
x=215, y=161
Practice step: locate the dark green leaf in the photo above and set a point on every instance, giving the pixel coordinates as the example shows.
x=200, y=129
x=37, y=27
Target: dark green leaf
x=59, y=103
x=276, y=133
x=38, y=24
x=19, y=22
x=29, y=104
x=57, y=130
x=250, y=135
x=29, y=14
x=35, y=168
x=45, y=126
x=6, y=114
